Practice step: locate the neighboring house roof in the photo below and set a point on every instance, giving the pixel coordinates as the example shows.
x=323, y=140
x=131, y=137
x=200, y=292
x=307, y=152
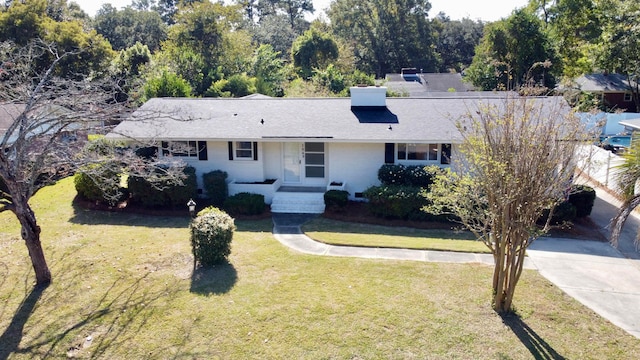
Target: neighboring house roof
x=8, y=112
x=632, y=124
x=420, y=120
x=603, y=83
x=423, y=84
x=41, y=120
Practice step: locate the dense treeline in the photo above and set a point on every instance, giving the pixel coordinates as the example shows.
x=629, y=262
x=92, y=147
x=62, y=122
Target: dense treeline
x=206, y=48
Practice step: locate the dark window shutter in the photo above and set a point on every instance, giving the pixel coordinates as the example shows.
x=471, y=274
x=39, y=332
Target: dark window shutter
x=202, y=150
x=230, y=150
x=445, y=156
x=165, y=148
x=389, y=153
x=255, y=150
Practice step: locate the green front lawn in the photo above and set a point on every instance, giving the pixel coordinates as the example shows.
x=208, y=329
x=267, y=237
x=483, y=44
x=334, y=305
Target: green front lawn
x=124, y=288
x=345, y=233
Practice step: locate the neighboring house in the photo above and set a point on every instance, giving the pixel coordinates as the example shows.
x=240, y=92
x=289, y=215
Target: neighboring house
x=416, y=84
x=614, y=90
x=305, y=145
x=8, y=113
x=42, y=121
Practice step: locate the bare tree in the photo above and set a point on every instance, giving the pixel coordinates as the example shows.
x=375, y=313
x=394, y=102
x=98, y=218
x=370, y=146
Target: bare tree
x=46, y=118
x=516, y=161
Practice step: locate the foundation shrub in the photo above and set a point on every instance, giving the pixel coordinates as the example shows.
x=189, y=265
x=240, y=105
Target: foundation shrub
x=398, y=202
x=216, y=187
x=336, y=200
x=582, y=197
x=100, y=182
x=245, y=203
x=164, y=193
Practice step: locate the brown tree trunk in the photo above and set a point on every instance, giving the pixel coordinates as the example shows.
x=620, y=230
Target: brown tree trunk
x=30, y=232
x=509, y=264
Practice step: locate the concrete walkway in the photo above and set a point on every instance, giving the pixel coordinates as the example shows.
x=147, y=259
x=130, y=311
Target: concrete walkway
x=287, y=231
x=605, y=279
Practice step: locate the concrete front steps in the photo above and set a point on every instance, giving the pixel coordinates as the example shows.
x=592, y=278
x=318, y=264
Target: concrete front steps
x=298, y=202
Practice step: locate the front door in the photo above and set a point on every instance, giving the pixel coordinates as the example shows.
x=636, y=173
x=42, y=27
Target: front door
x=292, y=162
x=304, y=163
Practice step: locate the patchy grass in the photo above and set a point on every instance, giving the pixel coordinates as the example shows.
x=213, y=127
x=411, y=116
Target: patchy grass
x=124, y=288
x=353, y=234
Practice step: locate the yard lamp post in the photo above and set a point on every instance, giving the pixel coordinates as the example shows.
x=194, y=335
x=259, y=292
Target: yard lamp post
x=192, y=207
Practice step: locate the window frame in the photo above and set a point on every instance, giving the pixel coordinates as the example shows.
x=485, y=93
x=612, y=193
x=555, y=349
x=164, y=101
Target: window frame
x=191, y=147
x=628, y=97
x=237, y=149
x=431, y=149
x=251, y=151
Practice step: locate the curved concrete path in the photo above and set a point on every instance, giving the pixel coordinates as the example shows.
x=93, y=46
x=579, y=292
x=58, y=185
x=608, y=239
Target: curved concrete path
x=287, y=230
x=592, y=272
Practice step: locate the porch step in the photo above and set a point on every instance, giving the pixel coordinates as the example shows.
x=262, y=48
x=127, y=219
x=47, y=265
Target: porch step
x=298, y=202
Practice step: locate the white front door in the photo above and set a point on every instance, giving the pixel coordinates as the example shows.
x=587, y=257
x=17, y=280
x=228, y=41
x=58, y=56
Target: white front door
x=292, y=162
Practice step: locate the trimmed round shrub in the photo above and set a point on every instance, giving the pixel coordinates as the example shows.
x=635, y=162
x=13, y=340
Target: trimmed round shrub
x=215, y=185
x=211, y=234
x=582, y=197
x=336, y=200
x=99, y=182
x=245, y=203
x=565, y=212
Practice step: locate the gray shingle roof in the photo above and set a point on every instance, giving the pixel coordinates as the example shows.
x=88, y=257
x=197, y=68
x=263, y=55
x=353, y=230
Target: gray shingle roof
x=603, y=83
x=330, y=119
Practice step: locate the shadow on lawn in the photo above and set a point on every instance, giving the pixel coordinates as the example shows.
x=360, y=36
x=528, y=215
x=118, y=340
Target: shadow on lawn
x=536, y=345
x=115, y=316
x=12, y=335
x=89, y=216
x=215, y=280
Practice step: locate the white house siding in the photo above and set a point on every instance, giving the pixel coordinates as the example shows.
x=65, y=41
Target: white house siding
x=356, y=164
x=218, y=159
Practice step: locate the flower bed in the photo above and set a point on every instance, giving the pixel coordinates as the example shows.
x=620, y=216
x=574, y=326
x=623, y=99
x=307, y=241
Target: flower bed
x=267, y=188
x=336, y=185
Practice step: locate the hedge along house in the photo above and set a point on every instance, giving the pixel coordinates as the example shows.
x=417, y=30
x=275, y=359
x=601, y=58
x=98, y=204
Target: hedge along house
x=292, y=150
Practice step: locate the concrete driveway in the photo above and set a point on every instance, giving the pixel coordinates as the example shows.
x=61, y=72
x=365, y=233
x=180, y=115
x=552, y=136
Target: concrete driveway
x=603, y=278
x=595, y=274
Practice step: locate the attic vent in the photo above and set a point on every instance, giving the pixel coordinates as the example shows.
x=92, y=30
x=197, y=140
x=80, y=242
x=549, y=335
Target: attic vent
x=370, y=96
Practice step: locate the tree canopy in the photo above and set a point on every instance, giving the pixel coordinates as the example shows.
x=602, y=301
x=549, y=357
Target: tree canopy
x=88, y=52
x=123, y=28
x=509, y=51
x=313, y=49
x=386, y=35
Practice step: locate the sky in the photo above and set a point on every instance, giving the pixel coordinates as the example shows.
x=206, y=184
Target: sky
x=486, y=10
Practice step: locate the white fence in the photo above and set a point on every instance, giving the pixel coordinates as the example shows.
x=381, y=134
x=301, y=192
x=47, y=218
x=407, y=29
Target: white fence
x=601, y=166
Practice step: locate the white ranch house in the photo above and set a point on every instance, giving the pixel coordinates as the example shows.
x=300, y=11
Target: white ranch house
x=305, y=145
